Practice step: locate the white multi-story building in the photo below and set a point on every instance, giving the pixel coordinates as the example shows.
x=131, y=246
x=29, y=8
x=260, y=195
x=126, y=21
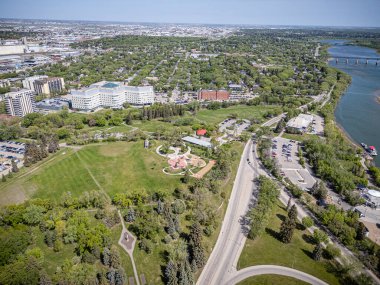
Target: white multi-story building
x=139, y=95
x=19, y=103
x=28, y=83
x=111, y=94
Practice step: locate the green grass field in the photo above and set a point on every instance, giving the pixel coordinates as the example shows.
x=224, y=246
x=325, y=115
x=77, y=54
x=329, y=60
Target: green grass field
x=116, y=167
x=267, y=249
x=242, y=111
x=271, y=280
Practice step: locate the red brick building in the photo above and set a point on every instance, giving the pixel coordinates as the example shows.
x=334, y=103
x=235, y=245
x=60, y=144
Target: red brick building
x=214, y=95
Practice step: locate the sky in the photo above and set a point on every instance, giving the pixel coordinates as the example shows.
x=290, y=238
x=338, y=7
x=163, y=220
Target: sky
x=363, y=13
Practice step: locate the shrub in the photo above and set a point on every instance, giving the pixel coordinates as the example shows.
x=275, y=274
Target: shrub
x=319, y=236
x=331, y=251
x=307, y=222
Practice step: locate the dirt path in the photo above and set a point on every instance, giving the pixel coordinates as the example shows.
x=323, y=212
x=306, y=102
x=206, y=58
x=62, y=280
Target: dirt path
x=205, y=169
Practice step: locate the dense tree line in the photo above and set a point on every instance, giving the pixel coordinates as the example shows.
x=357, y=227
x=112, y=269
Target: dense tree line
x=60, y=224
x=262, y=209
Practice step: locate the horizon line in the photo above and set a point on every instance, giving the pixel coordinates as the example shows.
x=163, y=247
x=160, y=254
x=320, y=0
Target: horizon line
x=194, y=23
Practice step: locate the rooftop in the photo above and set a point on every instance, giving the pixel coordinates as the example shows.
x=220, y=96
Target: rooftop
x=301, y=121
x=197, y=141
x=110, y=85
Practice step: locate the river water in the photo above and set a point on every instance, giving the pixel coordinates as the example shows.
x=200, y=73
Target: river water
x=358, y=111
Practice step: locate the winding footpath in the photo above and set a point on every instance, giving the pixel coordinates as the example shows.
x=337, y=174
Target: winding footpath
x=128, y=246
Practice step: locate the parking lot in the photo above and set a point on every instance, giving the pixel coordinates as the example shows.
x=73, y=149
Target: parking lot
x=9, y=151
x=286, y=153
x=317, y=126
x=231, y=126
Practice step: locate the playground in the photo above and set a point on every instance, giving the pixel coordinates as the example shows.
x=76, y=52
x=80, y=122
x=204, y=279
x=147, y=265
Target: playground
x=180, y=162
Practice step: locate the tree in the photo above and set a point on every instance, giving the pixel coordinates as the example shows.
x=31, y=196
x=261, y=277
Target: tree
x=131, y=216
x=106, y=257
x=331, y=251
x=114, y=257
x=58, y=245
x=317, y=252
x=178, y=206
x=160, y=207
x=319, y=236
x=292, y=214
x=361, y=231
x=307, y=222
x=198, y=252
x=287, y=229
x=119, y=276
x=319, y=190
x=33, y=215
x=186, y=177
x=171, y=273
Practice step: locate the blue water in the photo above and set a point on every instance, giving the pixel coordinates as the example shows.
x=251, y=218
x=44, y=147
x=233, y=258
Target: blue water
x=358, y=112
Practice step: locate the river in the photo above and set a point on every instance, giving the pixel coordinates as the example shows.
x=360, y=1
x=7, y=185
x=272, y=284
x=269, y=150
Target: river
x=358, y=111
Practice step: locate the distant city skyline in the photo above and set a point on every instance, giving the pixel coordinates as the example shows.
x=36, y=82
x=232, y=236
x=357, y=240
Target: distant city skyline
x=362, y=13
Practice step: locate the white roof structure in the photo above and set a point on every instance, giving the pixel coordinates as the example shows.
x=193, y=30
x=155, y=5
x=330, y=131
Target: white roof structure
x=302, y=121
x=374, y=193
x=197, y=141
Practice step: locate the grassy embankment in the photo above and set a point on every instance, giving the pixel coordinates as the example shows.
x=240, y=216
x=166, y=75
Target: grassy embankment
x=267, y=249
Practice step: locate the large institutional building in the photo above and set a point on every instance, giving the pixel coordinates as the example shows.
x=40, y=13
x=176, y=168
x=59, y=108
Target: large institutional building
x=214, y=95
x=111, y=94
x=42, y=84
x=19, y=103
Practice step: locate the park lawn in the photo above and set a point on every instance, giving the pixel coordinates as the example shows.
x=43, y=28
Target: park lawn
x=127, y=166
x=19, y=188
x=267, y=249
x=269, y=279
x=242, y=112
x=116, y=167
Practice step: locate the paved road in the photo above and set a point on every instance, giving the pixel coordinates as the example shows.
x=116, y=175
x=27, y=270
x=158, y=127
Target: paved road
x=222, y=261
x=316, y=54
x=274, y=269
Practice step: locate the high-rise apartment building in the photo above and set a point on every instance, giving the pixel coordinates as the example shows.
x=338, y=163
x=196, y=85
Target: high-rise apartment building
x=19, y=103
x=42, y=84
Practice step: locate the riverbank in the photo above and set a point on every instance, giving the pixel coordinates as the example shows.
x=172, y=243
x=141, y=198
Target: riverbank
x=357, y=111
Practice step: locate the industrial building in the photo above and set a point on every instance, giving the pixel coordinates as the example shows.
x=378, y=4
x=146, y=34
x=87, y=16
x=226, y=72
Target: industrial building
x=299, y=124
x=20, y=102
x=111, y=94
